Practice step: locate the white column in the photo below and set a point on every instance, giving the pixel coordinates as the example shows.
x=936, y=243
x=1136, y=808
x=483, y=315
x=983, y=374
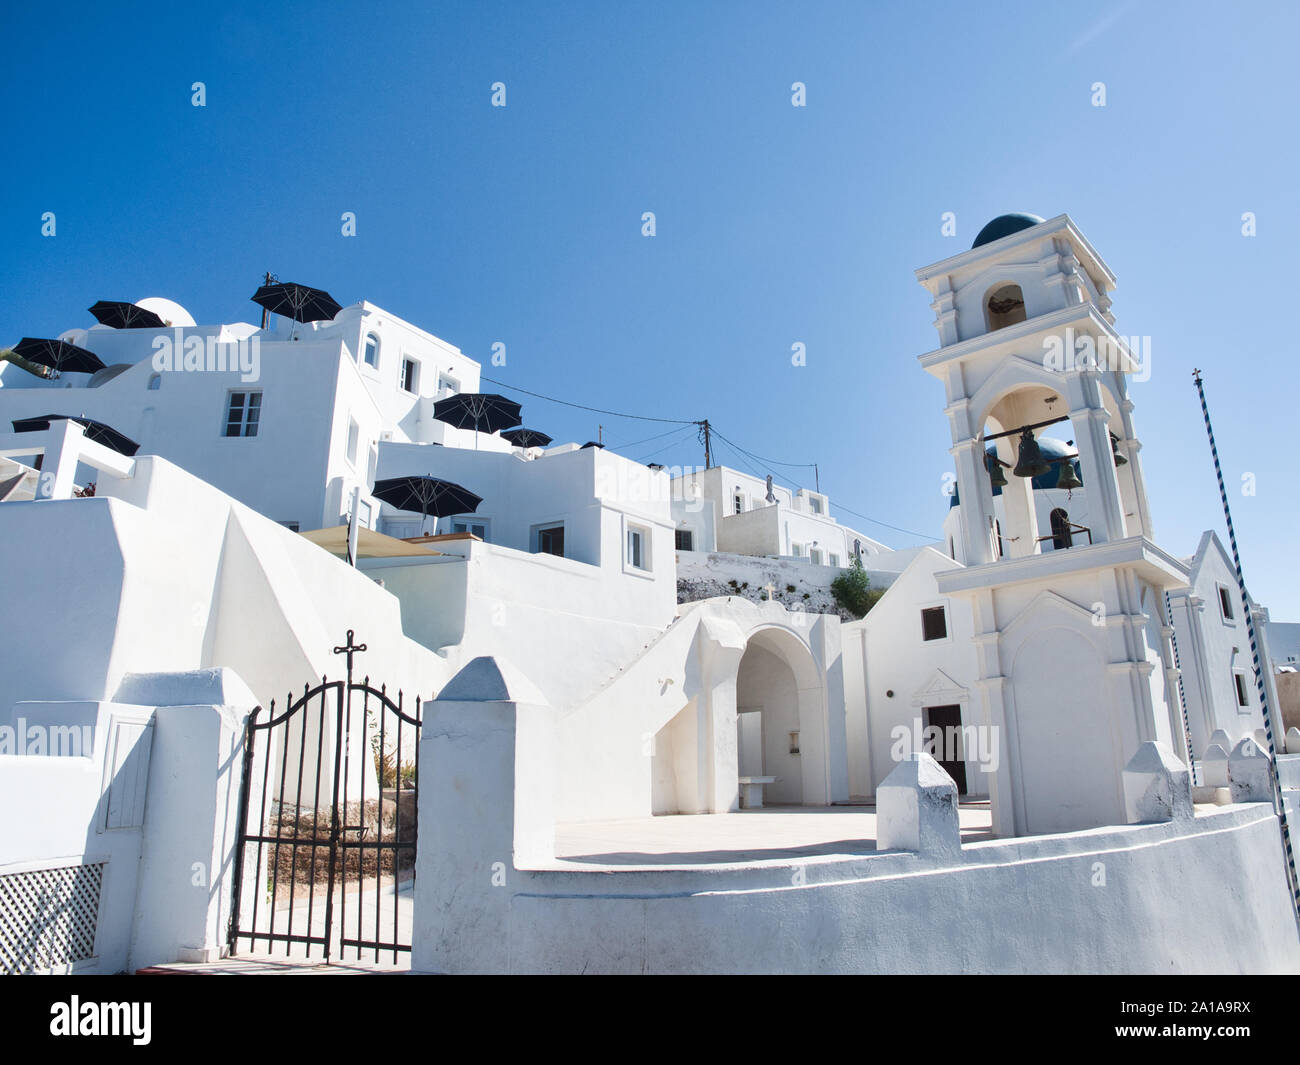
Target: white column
x=59, y=465
x=1092, y=438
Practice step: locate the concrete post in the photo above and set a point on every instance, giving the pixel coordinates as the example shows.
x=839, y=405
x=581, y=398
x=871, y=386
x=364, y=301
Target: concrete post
x=916, y=809
x=487, y=762
x=1157, y=786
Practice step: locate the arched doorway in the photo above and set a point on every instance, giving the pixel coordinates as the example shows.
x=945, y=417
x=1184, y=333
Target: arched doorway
x=780, y=718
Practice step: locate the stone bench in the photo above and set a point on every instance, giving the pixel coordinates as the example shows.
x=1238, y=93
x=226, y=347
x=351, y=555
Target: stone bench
x=751, y=791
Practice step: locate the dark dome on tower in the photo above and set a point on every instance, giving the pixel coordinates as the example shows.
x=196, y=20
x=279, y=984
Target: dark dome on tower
x=1003, y=226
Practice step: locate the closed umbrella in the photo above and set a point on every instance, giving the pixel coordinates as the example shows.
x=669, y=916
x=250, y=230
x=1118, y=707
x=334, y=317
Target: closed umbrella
x=58, y=355
x=428, y=495
x=121, y=315
x=484, y=412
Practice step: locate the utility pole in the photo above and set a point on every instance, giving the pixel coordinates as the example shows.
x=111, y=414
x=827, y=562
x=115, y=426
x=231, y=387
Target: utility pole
x=817, y=479
x=708, y=448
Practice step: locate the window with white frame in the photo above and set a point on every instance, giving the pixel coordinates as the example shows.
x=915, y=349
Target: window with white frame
x=835, y=560
x=934, y=623
x=448, y=385
x=815, y=556
x=638, y=547
x=1225, y=603
x=370, y=351
x=354, y=436
x=243, y=413
x=474, y=526
x=549, y=539
x=1243, y=693
x=815, y=503
x=410, y=376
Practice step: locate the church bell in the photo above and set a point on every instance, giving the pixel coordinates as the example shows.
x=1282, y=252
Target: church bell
x=997, y=478
x=1069, y=480
x=1030, y=462
x=1120, y=460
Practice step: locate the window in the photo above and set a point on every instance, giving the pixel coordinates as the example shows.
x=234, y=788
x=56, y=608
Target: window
x=410, y=376
x=448, y=385
x=469, y=525
x=243, y=413
x=638, y=549
x=370, y=351
x=815, y=504
x=934, y=623
x=354, y=433
x=684, y=540
x=796, y=549
x=1225, y=603
x=738, y=501
x=155, y=382
x=835, y=560
x=815, y=556
x=550, y=539
x=1243, y=695
x=292, y=526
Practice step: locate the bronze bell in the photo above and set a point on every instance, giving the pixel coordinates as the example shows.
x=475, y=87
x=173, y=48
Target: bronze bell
x=1030, y=462
x=1069, y=480
x=1120, y=460
x=997, y=478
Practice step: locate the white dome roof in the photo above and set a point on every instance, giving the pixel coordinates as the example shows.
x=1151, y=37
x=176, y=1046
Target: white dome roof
x=169, y=311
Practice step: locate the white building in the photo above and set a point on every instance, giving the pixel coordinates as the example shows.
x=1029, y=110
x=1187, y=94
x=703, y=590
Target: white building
x=563, y=683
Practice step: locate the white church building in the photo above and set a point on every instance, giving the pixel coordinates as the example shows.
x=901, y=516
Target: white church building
x=1021, y=696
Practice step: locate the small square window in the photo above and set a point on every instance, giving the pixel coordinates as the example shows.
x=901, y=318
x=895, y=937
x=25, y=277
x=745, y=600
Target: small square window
x=1225, y=603
x=243, y=413
x=934, y=623
x=410, y=376
x=550, y=540
x=1243, y=694
x=684, y=540
x=468, y=525
x=816, y=504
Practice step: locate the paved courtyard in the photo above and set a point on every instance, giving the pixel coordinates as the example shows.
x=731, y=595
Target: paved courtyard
x=773, y=833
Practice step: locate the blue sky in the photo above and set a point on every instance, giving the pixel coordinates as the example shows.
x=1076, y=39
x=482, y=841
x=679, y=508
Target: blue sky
x=775, y=224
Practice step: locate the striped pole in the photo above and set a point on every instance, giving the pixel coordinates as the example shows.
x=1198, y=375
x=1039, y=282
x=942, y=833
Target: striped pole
x=1182, y=696
x=1278, y=804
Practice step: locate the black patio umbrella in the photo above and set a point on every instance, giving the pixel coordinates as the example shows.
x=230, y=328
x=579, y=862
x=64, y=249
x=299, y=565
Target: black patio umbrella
x=302, y=303
x=428, y=495
x=58, y=355
x=484, y=412
x=592, y=443
x=96, y=431
x=527, y=438
x=122, y=315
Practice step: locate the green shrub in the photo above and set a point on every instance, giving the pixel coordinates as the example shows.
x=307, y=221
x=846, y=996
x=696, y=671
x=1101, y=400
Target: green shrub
x=853, y=592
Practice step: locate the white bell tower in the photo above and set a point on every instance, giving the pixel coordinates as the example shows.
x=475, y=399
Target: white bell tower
x=1073, y=645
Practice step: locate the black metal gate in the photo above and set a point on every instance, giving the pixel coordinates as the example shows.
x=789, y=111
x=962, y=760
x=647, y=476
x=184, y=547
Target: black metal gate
x=323, y=841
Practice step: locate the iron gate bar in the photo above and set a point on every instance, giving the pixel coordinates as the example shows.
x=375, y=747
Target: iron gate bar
x=342, y=838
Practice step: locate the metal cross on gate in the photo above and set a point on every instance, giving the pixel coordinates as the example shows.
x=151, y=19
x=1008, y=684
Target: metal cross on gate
x=350, y=649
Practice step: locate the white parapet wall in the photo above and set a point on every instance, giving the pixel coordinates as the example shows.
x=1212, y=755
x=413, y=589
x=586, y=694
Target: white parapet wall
x=1105, y=900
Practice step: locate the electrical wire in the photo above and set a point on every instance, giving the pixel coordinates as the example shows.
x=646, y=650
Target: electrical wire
x=594, y=410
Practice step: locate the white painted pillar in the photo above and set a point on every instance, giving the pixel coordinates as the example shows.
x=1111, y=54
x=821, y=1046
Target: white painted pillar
x=1092, y=438
x=58, y=474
